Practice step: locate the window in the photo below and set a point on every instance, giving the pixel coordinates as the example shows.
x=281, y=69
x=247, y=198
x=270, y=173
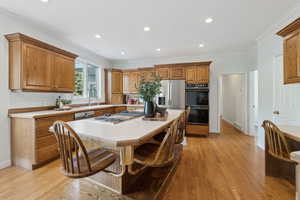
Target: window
x=87, y=80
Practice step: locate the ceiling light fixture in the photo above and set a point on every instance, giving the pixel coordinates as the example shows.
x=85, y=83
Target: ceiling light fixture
x=147, y=28
x=44, y=1
x=123, y=53
x=201, y=45
x=209, y=20
x=158, y=49
x=98, y=36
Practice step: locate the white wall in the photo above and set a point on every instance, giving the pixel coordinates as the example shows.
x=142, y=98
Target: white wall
x=269, y=46
x=234, y=100
x=10, y=23
x=228, y=63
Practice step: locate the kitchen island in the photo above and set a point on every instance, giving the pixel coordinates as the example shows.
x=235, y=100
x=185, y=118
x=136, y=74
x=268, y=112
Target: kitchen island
x=123, y=138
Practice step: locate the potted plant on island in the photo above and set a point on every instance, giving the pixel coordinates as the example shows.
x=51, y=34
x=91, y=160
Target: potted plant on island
x=148, y=91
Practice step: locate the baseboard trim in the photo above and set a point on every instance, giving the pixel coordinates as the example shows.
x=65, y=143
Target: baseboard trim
x=4, y=164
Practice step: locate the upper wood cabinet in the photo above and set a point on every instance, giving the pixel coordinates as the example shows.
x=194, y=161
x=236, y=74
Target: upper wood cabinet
x=163, y=71
x=177, y=72
x=291, y=52
x=134, y=81
x=148, y=74
x=38, y=66
x=63, y=65
x=117, y=82
x=197, y=74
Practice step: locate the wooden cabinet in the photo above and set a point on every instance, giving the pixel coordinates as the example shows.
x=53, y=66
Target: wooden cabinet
x=32, y=143
x=197, y=129
x=197, y=74
x=148, y=74
x=104, y=111
x=64, y=65
x=163, y=72
x=37, y=66
x=117, y=82
x=117, y=99
x=126, y=82
x=291, y=52
x=177, y=72
x=120, y=109
x=134, y=81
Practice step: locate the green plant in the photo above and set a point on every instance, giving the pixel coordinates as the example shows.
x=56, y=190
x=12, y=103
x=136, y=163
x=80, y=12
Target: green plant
x=148, y=90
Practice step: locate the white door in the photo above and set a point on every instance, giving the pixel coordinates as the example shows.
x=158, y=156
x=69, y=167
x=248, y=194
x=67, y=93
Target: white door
x=286, y=98
x=253, y=103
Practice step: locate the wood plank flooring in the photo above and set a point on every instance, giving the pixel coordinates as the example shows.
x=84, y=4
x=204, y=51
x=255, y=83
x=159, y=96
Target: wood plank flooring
x=225, y=167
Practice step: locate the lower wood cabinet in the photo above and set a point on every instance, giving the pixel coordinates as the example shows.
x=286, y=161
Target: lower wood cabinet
x=32, y=143
x=197, y=129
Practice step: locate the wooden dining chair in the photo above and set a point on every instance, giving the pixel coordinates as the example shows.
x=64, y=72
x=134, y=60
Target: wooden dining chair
x=181, y=126
x=77, y=161
x=153, y=155
x=277, y=144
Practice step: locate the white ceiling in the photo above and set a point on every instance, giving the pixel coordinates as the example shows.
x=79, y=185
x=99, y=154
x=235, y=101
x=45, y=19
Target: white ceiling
x=177, y=26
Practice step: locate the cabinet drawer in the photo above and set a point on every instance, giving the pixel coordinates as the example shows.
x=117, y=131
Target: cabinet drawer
x=43, y=124
x=47, y=153
x=46, y=141
x=120, y=109
x=197, y=129
x=104, y=111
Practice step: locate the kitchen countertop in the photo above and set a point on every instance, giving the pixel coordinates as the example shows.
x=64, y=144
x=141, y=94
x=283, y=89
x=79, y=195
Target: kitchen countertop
x=290, y=131
x=131, y=132
x=45, y=113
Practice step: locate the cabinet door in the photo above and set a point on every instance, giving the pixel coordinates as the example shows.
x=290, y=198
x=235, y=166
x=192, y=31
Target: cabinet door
x=63, y=74
x=117, y=99
x=148, y=75
x=202, y=75
x=37, y=69
x=191, y=74
x=126, y=83
x=292, y=58
x=177, y=73
x=134, y=80
x=117, y=82
x=163, y=73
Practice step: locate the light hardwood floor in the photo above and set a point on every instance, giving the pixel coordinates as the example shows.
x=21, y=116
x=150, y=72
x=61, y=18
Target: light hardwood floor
x=225, y=167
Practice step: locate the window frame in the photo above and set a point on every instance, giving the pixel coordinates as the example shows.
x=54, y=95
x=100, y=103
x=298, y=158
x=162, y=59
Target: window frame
x=87, y=64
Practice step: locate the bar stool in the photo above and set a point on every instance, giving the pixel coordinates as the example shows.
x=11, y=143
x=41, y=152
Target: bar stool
x=77, y=161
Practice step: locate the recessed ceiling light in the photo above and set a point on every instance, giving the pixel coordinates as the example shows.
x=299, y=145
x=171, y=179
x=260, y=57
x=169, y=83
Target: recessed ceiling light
x=44, y=1
x=146, y=28
x=158, y=49
x=201, y=45
x=98, y=36
x=209, y=20
x=122, y=52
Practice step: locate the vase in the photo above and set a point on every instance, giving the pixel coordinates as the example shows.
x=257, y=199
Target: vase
x=149, y=109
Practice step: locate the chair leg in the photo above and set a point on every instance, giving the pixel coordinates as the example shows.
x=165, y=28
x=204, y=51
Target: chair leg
x=298, y=182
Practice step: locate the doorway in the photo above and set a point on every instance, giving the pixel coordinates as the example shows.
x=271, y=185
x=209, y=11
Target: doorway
x=253, y=103
x=234, y=100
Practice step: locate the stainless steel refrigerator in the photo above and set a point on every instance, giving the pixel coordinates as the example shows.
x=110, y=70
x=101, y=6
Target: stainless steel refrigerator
x=172, y=94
